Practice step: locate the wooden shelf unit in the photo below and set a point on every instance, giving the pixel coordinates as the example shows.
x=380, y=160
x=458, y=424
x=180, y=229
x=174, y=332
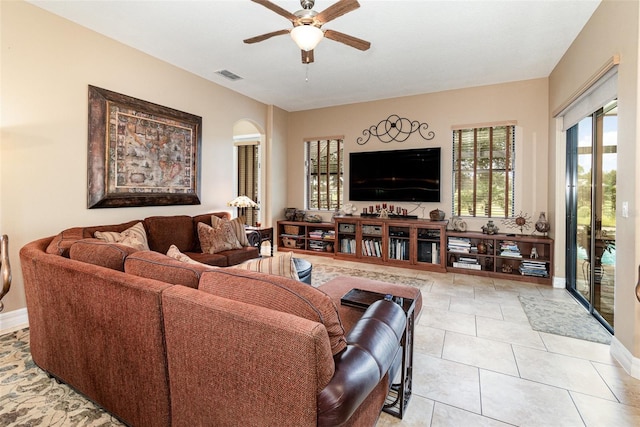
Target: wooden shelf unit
x=498, y=261
x=420, y=244
x=409, y=243
x=309, y=237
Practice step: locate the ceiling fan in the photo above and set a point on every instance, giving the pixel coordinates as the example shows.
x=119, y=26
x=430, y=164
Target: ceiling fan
x=307, y=23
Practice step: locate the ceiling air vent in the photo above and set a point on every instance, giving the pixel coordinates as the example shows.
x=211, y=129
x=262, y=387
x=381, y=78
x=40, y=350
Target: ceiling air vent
x=229, y=75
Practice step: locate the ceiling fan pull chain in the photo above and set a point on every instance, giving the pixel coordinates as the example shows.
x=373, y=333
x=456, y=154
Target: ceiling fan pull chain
x=306, y=77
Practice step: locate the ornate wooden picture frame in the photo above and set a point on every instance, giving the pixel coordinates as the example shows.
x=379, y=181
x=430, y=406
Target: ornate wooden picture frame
x=140, y=153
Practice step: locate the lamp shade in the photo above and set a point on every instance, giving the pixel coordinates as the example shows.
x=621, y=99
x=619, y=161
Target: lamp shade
x=242, y=202
x=307, y=37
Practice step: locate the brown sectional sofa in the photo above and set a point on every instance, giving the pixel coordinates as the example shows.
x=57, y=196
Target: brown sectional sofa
x=158, y=342
x=162, y=232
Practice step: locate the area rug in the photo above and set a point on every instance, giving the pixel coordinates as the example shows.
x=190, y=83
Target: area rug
x=566, y=318
x=322, y=273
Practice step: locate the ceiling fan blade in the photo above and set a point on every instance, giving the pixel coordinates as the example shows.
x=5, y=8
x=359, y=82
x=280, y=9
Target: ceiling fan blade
x=307, y=56
x=266, y=36
x=347, y=39
x=336, y=10
x=277, y=9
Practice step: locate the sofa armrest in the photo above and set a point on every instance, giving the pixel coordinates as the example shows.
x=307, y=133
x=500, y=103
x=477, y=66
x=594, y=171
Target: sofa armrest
x=373, y=344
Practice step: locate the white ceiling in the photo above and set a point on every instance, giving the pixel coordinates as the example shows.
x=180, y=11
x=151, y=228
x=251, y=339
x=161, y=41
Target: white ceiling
x=417, y=46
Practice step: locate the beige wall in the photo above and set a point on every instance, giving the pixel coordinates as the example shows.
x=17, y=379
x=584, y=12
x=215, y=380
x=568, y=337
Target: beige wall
x=276, y=165
x=47, y=64
x=525, y=102
x=613, y=29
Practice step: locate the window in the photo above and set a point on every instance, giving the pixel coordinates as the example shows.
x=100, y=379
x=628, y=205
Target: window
x=483, y=171
x=248, y=178
x=324, y=175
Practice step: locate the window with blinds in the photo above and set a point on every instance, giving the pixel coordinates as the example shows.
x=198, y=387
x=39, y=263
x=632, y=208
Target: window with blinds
x=484, y=171
x=324, y=175
x=248, y=178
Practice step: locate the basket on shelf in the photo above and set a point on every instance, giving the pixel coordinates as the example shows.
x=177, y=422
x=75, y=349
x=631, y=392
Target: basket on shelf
x=292, y=229
x=290, y=242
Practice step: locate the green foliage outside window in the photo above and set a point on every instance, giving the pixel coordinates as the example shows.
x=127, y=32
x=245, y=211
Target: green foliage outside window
x=483, y=171
x=324, y=175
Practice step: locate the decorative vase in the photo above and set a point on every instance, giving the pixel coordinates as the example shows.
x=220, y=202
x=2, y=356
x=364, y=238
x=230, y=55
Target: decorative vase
x=482, y=248
x=436, y=215
x=290, y=214
x=542, y=225
x=5, y=268
x=490, y=228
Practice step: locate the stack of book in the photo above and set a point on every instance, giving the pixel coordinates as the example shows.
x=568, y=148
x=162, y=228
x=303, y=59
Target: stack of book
x=468, y=263
x=510, y=248
x=348, y=246
x=372, y=247
x=399, y=249
x=322, y=234
x=317, y=245
x=316, y=234
x=534, y=268
x=460, y=245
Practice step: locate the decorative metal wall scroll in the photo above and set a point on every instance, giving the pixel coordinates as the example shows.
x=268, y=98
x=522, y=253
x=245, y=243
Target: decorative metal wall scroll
x=396, y=128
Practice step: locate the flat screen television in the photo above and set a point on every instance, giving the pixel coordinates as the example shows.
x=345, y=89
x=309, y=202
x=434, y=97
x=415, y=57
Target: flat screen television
x=395, y=175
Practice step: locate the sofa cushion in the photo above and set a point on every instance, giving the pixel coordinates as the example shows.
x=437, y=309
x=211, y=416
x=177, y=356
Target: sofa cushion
x=98, y=252
x=175, y=253
x=136, y=237
x=217, y=260
x=165, y=231
x=238, y=256
x=238, y=227
x=62, y=242
x=280, y=294
x=154, y=265
x=279, y=265
x=221, y=238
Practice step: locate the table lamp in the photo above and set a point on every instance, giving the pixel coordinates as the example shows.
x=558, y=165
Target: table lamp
x=242, y=203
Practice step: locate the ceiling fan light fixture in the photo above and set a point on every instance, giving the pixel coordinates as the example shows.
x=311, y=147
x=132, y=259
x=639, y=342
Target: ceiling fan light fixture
x=307, y=37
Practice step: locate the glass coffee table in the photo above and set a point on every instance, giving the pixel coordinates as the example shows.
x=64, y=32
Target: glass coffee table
x=400, y=392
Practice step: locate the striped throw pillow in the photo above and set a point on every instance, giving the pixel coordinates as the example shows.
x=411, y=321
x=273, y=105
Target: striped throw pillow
x=279, y=265
x=134, y=237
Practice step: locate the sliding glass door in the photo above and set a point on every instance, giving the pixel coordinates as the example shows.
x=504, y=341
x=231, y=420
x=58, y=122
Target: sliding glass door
x=591, y=211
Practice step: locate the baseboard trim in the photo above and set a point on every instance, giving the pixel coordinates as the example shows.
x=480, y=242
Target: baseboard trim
x=13, y=320
x=559, y=282
x=624, y=357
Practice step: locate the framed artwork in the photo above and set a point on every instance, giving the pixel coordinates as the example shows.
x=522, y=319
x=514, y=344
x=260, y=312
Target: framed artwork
x=140, y=153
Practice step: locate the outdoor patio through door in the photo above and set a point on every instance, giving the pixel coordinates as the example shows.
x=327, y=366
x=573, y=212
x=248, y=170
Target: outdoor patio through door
x=591, y=211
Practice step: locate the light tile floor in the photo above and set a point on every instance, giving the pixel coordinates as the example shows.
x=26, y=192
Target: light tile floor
x=479, y=363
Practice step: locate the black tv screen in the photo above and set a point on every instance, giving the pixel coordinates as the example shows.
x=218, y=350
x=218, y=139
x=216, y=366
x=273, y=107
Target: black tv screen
x=395, y=176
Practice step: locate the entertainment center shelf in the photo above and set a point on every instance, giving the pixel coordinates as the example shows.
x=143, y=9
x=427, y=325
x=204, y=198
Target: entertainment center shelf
x=515, y=257
x=409, y=243
x=422, y=244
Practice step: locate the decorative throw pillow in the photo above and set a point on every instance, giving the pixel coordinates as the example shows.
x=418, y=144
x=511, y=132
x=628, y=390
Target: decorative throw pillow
x=174, y=252
x=134, y=237
x=238, y=227
x=279, y=265
x=221, y=238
